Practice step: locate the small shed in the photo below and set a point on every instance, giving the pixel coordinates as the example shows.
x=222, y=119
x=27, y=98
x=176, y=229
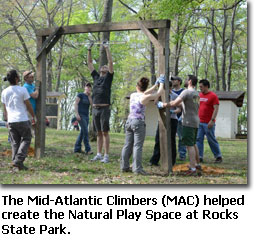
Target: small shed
x=226, y=122
x=227, y=119
x=53, y=108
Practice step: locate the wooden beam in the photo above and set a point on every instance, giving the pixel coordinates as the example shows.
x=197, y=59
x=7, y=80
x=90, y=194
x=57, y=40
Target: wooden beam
x=164, y=116
x=51, y=41
x=154, y=33
x=149, y=34
x=40, y=134
x=106, y=27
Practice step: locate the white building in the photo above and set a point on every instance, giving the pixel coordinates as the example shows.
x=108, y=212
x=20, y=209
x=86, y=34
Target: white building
x=226, y=122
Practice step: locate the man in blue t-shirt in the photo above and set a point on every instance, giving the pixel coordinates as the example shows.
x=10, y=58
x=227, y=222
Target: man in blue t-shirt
x=28, y=77
x=177, y=81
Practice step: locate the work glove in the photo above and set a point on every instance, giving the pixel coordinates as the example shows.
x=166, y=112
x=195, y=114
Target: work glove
x=160, y=105
x=105, y=44
x=161, y=78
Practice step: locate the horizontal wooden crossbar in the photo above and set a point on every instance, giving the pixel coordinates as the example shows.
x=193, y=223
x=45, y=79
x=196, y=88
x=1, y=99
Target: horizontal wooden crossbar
x=51, y=41
x=106, y=27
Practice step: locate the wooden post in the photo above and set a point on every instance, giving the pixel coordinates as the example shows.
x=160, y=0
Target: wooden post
x=164, y=115
x=41, y=101
x=59, y=114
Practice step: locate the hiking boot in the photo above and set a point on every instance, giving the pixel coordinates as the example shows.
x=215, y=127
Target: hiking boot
x=198, y=167
x=79, y=151
x=96, y=158
x=153, y=164
x=190, y=172
x=182, y=159
x=105, y=159
x=218, y=160
x=20, y=166
x=141, y=172
x=201, y=160
x=126, y=170
x=199, y=170
x=89, y=153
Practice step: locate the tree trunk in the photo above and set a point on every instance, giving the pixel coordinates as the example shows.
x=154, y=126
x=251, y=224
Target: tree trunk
x=224, y=52
x=215, y=51
x=107, y=15
x=230, y=49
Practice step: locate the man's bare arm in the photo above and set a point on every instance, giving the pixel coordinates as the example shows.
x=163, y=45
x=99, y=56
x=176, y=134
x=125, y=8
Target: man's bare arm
x=214, y=115
x=5, y=114
x=29, y=107
x=109, y=58
x=174, y=103
x=35, y=94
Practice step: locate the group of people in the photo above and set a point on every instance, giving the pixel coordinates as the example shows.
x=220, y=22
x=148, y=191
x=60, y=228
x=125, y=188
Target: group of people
x=193, y=116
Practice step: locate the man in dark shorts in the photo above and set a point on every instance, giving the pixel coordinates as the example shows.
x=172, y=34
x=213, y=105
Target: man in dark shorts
x=101, y=103
x=190, y=98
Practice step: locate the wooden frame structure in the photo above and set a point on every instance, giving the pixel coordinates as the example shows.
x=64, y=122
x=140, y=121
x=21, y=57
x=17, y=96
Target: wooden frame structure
x=48, y=37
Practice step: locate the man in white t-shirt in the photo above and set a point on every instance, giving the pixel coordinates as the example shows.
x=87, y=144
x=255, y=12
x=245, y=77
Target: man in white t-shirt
x=16, y=103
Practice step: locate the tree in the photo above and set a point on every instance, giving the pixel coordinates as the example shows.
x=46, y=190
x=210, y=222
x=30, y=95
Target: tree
x=107, y=16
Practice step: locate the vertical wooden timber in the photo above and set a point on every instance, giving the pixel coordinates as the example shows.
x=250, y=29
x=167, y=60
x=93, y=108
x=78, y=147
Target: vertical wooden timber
x=41, y=101
x=164, y=115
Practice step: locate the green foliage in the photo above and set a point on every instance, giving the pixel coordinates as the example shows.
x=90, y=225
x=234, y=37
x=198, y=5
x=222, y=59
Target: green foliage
x=190, y=39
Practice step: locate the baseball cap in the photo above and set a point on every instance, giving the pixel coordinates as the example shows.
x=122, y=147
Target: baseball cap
x=176, y=78
x=27, y=73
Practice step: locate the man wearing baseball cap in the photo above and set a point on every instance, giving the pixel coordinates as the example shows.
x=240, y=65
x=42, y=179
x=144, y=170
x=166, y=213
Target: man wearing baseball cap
x=28, y=77
x=177, y=81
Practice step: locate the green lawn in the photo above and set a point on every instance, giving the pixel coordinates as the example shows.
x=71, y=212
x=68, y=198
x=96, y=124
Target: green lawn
x=62, y=166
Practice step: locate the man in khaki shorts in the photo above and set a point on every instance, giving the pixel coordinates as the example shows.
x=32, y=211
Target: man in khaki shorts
x=190, y=98
x=101, y=94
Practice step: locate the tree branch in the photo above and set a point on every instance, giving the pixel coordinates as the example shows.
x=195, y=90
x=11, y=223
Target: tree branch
x=132, y=10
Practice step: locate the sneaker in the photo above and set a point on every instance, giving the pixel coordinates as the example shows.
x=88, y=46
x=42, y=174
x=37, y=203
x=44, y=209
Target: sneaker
x=141, y=172
x=182, y=159
x=190, y=172
x=96, y=158
x=218, y=160
x=201, y=160
x=105, y=159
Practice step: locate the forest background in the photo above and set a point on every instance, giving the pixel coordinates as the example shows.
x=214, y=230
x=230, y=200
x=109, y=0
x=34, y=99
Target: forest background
x=208, y=39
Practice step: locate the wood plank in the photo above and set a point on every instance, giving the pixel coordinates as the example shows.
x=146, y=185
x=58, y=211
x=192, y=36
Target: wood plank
x=106, y=27
x=41, y=101
x=51, y=41
x=150, y=35
x=164, y=116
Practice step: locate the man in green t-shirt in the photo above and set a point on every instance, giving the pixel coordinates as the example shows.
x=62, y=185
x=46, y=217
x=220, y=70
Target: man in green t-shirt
x=190, y=99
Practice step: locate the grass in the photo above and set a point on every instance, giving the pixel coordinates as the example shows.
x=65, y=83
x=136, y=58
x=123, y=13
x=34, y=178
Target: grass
x=61, y=166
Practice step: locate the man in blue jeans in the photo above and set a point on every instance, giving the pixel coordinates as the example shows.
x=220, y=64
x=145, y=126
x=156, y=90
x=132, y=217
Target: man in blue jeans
x=177, y=81
x=209, y=106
